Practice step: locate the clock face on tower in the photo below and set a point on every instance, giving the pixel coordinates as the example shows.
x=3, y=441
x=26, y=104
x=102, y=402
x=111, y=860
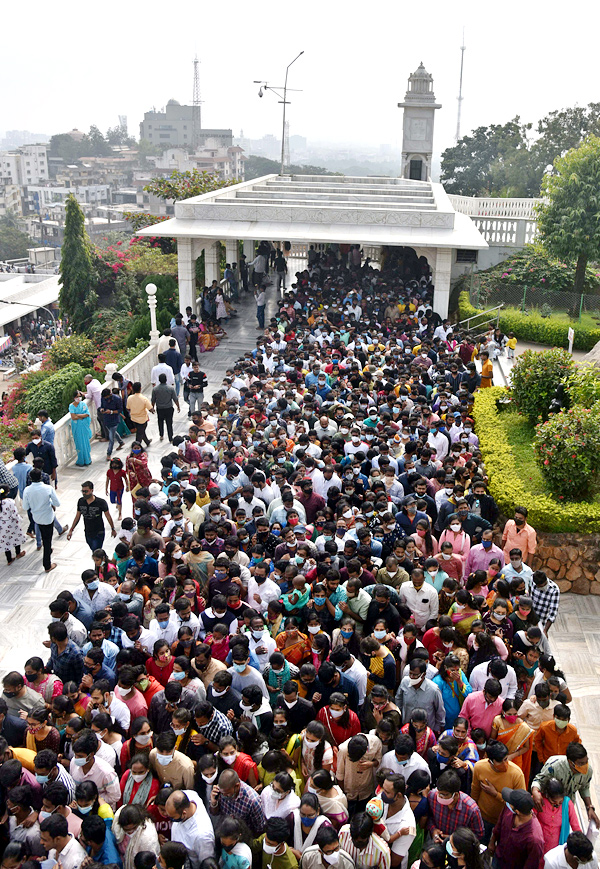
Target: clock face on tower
x=418, y=130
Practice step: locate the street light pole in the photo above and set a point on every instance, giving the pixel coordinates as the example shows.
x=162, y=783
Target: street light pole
x=264, y=86
x=284, y=105
x=25, y=305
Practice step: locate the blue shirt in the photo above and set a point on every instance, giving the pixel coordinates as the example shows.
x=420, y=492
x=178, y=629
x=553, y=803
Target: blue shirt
x=150, y=566
x=39, y=498
x=47, y=432
x=108, y=853
x=20, y=470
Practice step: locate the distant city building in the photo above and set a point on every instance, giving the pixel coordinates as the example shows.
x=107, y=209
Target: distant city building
x=228, y=163
x=25, y=165
x=11, y=201
x=172, y=127
x=16, y=138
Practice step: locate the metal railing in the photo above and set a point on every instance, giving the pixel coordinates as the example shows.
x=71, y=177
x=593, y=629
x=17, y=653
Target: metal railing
x=467, y=325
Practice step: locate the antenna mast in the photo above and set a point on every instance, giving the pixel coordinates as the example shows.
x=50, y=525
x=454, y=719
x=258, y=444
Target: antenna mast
x=196, y=116
x=460, y=96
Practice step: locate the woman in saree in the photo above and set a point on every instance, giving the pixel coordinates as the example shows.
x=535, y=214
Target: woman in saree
x=516, y=736
x=463, y=612
x=293, y=645
x=81, y=430
x=422, y=735
x=136, y=465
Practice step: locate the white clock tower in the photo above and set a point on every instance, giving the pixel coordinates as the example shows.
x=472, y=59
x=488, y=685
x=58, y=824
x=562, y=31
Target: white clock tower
x=417, y=131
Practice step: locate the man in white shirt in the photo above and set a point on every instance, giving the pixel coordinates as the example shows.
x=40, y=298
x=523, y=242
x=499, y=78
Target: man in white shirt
x=193, y=828
x=578, y=851
x=163, y=627
x=420, y=597
x=261, y=589
x=403, y=759
x=495, y=669
x=63, y=848
x=104, y=700
x=261, y=642
x=162, y=368
x=352, y=668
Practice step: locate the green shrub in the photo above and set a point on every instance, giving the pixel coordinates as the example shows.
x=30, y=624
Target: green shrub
x=584, y=385
x=73, y=348
x=53, y=393
x=566, y=448
x=535, y=377
x=506, y=484
x=534, y=327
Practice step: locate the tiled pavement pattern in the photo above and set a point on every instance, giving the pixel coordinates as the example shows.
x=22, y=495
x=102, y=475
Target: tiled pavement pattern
x=26, y=591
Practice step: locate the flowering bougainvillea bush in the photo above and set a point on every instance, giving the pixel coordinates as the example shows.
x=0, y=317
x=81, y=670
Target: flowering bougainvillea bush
x=567, y=448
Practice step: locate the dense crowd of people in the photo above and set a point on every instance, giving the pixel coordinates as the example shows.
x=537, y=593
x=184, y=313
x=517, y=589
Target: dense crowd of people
x=311, y=639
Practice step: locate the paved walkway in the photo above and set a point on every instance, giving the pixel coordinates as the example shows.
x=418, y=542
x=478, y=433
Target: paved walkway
x=25, y=589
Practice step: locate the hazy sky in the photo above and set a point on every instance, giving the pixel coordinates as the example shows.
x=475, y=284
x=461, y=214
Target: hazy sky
x=79, y=64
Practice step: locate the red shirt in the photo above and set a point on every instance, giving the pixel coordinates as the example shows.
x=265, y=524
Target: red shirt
x=153, y=788
x=161, y=674
x=340, y=734
x=244, y=765
x=116, y=480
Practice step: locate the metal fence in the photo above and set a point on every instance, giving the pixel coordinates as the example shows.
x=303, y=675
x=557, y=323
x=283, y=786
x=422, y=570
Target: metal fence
x=486, y=294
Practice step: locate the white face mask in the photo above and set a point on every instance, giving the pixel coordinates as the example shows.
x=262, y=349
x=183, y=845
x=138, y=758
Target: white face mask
x=314, y=629
x=229, y=758
x=143, y=738
x=415, y=682
x=455, y=527
x=269, y=849
x=332, y=859
x=209, y=779
x=336, y=713
x=140, y=777
x=219, y=693
x=164, y=759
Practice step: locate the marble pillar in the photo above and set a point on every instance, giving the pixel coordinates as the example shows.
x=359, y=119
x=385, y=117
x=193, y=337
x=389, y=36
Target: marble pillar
x=212, y=269
x=441, y=281
x=231, y=252
x=186, y=263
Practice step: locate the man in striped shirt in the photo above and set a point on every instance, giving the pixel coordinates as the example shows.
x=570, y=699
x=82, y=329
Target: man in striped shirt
x=365, y=847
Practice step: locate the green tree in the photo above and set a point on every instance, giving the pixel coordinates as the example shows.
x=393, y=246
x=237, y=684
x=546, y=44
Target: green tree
x=561, y=130
x=67, y=148
x=569, y=218
x=483, y=163
x=184, y=185
x=77, y=299
x=13, y=242
x=99, y=145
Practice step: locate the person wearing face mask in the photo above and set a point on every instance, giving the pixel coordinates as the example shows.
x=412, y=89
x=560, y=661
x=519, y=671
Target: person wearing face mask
x=578, y=851
x=138, y=785
x=407, y=518
x=418, y=692
x=553, y=737
x=364, y=847
x=575, y=773
x=518, y=534
x=517, y=841
x=168, y=764
x=300, y=712
x=326, y=852
x=545, y=598
x=450, y=807
x=279, y=798
x=482, y=553
x=490, y=776
x=235, y=854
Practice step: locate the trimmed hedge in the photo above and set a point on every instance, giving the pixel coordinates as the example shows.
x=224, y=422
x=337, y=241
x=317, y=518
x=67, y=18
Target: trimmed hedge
x=506, y=485
x=55, y=393
x=533, y=327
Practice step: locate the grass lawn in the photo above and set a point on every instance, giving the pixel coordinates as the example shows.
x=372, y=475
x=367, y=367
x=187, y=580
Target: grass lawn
x=519, y=433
